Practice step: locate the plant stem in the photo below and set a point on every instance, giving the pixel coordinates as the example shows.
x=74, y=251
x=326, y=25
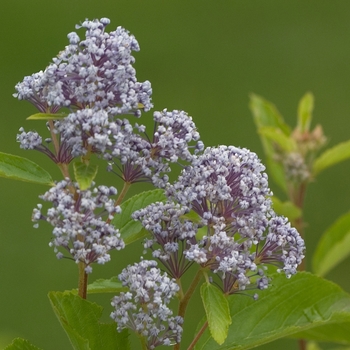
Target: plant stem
x=302, y=344
x=186, y=298
x=83, y=278
x=143, y=342
x=54, y=137
x=297, y=198
x=198, y=335
x=123, y=193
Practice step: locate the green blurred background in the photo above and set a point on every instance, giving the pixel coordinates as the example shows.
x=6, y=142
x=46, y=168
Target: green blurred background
x=204, y=57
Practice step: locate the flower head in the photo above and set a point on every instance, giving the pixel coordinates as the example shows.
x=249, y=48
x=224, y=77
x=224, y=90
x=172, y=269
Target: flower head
x=77, y=218
x=171, y=234
x=143, y=158
x=94, y=72
x=144, y=307
x=228, y=189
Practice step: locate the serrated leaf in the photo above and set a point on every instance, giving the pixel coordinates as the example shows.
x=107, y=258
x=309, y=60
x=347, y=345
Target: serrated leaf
x=276, y=171
x=130, y=229
x=201, y=232
x=21, y=344
x=331, y=157
x=22, y=169
x=84, y=174
x=332, y=332
x=102, y=286
x=333, y=247
x=217, y=311
x=276, y=135
x=300, y=304
x=305, y=108
x=80, y=319
x=266, y=115
x=47, y=116
x=287, y=209
x=192, y=216
x=112, y=285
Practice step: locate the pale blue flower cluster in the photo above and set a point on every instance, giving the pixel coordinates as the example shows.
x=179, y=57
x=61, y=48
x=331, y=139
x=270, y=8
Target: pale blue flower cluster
x=144, y=308
x=79, y=221
x=96, y=72
x=228, y=190
x=218, y=212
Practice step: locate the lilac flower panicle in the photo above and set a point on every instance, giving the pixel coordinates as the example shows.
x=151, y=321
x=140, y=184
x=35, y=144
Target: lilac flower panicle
x=171, y=234
x=283, y=245
x=144, y=158
x=94, y=72
x=79, y=227
x=94, y=78
x=227, y=187
x=33, y=141
x=228, y=182
x=144, y=307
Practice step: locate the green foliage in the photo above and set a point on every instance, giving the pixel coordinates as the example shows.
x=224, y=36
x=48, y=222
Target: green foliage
x=267, y=117
x=217, y=311
x=276, y=135
x=84, y=174
x=287, y=209
x=305, y=108
x=47, y=116
x=333, y=247
x=22, y=169
x=111, y=285
x=265, y=113
x=304, y=306
x=103, y=286
x=130, y=229
x=80, y=319
x=331, y=157
x=21, y=344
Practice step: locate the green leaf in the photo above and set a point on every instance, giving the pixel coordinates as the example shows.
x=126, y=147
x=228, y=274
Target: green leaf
x=266, y=114
x=80, y=319
x=333, y=247
x=276, y=171
x=22, y=169
x=130, y=229
x=47, y=116
x=287, y=209
x=201, y=232
x=217, y=311
x=112, y=285
x=84, y=174
x=192, y=216
x=276, y=135
x=301, y=304
x=102, y=286
x=312, y=346
x=331, y=333
x=332, y=156
x=305, y=108
x=21, y=344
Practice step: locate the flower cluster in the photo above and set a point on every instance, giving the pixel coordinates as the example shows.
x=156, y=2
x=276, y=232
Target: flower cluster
x=95, y=80
x=147, y=159
x=78, y=220
x=228, y=190
x=144, y=307
x=94, y=72
x=172, y=233
x=218, y=212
